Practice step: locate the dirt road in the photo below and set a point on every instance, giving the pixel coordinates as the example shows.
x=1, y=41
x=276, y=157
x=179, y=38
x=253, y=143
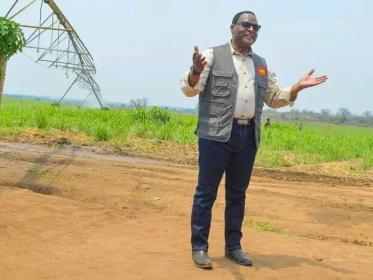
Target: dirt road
x=71, y=214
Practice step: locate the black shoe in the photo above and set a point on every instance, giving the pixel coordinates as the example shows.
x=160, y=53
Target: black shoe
x=201, y=259
x=238, y=257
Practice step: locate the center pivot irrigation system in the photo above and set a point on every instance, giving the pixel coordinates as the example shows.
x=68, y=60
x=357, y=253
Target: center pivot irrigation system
x=54, y=42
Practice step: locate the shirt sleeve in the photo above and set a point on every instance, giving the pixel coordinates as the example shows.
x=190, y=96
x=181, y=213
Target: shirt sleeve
x=200, y=86
x=275, y=97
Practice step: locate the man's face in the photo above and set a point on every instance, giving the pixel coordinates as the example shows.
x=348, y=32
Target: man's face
x=244, y=31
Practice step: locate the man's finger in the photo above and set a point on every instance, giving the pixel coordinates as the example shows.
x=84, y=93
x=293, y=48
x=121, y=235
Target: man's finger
x=196, y=50
x=199, y=61
x=310, y=72
x=324, y=78
x=202, y=63
x=199, y=56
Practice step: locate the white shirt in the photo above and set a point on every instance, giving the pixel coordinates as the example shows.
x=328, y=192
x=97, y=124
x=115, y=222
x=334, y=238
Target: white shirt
x=245, y=100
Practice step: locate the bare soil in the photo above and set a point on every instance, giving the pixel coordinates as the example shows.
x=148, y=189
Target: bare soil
x=70, y=213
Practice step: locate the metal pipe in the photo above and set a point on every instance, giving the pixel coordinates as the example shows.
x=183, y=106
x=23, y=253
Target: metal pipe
x=57, y=50
x=15, y=3
x=79, y=66
x=63, y=96
x=50, y=47
x=32, y=34
x=24, y=8
x=45, y=28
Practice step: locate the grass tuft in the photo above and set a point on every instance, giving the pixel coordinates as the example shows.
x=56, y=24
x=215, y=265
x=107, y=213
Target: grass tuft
x=267, y=227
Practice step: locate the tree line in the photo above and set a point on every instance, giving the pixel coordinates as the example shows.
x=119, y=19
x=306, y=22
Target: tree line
x=342, y=116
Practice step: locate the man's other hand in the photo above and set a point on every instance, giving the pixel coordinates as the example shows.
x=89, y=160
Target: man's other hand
x=307, y=81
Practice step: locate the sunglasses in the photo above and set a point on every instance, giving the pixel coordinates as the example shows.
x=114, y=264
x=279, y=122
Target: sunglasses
x=248, y=25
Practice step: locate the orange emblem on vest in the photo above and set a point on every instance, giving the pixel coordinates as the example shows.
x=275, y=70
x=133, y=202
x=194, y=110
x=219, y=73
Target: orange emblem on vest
x=262, y=71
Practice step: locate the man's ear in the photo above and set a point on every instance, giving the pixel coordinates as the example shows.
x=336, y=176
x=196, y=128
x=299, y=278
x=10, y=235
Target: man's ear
x=232, y=28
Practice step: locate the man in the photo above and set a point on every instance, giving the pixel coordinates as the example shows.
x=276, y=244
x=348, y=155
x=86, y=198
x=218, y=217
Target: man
x=233, y=83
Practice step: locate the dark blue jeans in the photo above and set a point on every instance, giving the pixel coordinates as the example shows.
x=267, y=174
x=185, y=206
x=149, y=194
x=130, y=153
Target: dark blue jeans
x=236, y=158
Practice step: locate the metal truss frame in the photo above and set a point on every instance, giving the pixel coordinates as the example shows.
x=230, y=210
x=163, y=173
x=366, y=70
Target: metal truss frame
x=65, y=49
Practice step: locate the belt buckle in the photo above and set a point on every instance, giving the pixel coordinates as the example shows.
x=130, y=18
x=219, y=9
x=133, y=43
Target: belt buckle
x=243, y=121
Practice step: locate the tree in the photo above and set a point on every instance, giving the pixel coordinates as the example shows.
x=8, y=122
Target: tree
x=139, y=103
x=325, y=112
x=12, y=40
x=343, y=115
x=368, y=114
x=344, y=112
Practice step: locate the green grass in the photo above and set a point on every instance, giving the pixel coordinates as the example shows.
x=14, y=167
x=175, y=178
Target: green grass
x=267, y=227
x=286, y=145
x=282, y=145
x=101, y=125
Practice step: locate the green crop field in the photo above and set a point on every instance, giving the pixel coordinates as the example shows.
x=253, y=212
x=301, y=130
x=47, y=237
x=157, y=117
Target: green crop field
x=282, y=145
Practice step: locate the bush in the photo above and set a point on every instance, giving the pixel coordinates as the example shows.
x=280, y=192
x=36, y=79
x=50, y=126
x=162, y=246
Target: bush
x=159, y=116
x=154, y=115
x=139, y=115
x=101, y=133
x=41, y=119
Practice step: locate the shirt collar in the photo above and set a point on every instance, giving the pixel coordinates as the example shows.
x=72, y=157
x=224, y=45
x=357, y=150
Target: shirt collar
x=250, y=52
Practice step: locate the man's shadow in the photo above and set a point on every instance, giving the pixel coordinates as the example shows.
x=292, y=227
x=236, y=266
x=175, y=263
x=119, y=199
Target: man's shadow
x=272, y=262
x=29, y=180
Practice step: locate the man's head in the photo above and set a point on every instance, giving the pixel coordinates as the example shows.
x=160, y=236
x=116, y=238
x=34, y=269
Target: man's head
x=244, y=29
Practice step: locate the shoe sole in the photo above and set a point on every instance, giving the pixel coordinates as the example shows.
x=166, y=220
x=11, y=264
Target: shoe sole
x=237, y=262
x=204, y=266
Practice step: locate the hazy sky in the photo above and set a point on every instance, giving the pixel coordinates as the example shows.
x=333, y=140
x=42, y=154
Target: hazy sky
x=141, y=48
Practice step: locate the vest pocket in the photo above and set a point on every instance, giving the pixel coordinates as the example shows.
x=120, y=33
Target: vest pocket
x=221, y=85
x=209, y=124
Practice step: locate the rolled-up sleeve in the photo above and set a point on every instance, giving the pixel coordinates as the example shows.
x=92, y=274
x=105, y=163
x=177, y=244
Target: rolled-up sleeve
x=276, y=97
x=200, y=86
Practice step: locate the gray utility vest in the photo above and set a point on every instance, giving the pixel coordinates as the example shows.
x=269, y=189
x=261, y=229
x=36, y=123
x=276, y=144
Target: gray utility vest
x=218, y=100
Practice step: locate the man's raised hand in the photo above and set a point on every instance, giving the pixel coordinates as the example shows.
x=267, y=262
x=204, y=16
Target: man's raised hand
x=199, y=61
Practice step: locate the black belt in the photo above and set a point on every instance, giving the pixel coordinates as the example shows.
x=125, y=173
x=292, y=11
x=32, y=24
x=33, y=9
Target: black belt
x=243, y=121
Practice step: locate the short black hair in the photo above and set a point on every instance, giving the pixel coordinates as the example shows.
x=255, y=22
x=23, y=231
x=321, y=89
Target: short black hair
x=237, y=16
